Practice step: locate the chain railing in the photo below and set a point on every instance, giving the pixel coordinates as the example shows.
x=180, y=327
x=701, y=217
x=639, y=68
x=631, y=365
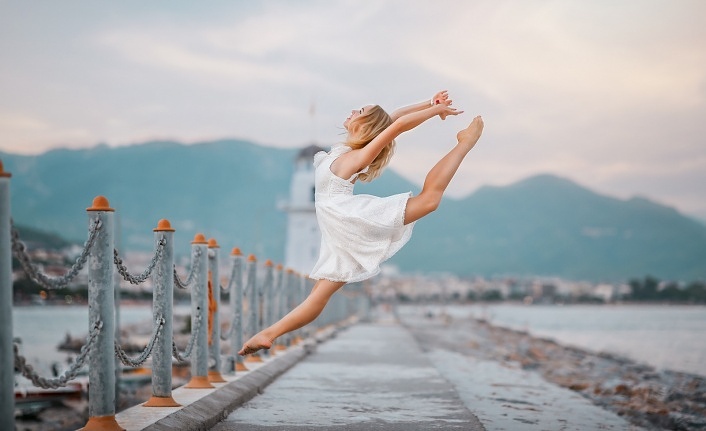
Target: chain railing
x=193, y=272
x=182, y=357
x=28, y=371
x=137, y=362
x=33, y=272
x=138, y=279
x=271, y=292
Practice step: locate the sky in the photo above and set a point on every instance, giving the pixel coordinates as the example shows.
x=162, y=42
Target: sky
x=610, y=94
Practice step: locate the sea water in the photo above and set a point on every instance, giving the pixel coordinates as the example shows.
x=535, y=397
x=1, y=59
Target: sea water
x=664, y=336
x=41, y=329
x=671, y=337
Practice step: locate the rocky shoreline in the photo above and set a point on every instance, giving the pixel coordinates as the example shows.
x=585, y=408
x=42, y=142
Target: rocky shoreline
x=649, y=398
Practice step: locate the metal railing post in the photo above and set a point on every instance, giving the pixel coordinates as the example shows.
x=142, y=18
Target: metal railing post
x=101, y=307
x=199, y=310
x=214, y=302
x=236, y=303
x=253, y=291
x=265, y=298
x=162, y=305
x=287, y=301
x=7, y=360
x=278, y=304
x=297, y=295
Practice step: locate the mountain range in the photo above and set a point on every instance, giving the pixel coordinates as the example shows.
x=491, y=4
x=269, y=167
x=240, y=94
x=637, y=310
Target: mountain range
x=544, y=225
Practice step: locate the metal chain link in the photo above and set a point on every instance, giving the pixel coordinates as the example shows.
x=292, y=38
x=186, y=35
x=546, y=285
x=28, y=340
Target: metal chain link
x=20, y=251
x=195, y=267
x=190, y=346
x=28, y=371
x=231, y=281
x=137, y=279
x=128, y=361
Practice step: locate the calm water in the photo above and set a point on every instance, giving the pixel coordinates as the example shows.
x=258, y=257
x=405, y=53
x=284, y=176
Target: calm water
x=672, y=337
x=42, y=328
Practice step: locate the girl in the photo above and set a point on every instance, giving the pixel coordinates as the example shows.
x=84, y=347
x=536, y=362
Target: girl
x=358, y=232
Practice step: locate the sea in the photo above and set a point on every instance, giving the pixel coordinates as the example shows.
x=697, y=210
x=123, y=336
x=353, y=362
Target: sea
x=40, y=328
x=664, y=336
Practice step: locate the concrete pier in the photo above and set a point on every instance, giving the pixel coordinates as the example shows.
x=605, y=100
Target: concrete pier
x=380, y=375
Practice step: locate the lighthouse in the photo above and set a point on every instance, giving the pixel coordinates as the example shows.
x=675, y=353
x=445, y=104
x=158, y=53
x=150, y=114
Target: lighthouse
x=303, y=234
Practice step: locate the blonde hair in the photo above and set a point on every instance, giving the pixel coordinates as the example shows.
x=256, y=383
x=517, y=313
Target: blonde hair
x=364, y=129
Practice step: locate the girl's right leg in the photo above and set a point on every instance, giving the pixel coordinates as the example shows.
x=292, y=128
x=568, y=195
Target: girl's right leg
x=439, y=177
x=304, y=313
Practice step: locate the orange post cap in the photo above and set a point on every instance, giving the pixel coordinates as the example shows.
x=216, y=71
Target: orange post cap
x=268, y=262
x=290, y=271
x=252, y=258
x=236, y=252
x=100, y=203
x=163, y=226
x=212, y=243
x=3, y=173
x=199, y=238
x=278, y=267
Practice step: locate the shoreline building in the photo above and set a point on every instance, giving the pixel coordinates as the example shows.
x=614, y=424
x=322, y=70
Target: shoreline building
x=303, y=234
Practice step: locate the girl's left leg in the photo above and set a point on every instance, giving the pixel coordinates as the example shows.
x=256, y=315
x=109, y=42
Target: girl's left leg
x=440, y=176
x=304, y=313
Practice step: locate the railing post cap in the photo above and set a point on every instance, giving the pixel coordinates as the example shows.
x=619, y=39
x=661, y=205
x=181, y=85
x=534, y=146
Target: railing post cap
x=268, y=262
x=212, y=243
x=290, y=271
x=4, y=174
x=252, y=258
x=100, y=203
x=279, y=267
x=163, y=226
x=236, y=252
x=199, y=238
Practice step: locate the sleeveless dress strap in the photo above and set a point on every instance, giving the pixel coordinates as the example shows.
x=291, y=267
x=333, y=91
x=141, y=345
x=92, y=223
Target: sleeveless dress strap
x=335, y=152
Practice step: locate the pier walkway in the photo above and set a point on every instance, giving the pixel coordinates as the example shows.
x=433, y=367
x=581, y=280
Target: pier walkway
x=376, y=376
x=371, y=376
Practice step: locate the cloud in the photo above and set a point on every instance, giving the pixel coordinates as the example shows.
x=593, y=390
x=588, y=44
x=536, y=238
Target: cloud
x=612, y=95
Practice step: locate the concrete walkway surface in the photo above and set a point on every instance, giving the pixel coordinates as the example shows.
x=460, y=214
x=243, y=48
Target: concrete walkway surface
x=377, y=376
x=371, y=376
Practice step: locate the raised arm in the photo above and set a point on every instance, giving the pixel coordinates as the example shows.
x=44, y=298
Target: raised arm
x=367, y=154
x=442, y=97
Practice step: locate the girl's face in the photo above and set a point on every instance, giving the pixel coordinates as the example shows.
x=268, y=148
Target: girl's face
x=355, y=114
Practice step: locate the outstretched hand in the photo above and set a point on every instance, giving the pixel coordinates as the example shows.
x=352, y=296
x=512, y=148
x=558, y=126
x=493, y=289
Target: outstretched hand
x=441, y=98
x=446, y=110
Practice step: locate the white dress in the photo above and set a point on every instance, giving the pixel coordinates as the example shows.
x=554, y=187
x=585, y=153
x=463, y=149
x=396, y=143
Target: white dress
x=358, y=232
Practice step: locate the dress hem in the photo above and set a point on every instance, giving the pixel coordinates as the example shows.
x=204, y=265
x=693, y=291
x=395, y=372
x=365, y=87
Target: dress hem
x=354, y=279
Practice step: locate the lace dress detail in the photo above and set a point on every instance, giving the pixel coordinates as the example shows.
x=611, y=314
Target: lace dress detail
x=358, y=232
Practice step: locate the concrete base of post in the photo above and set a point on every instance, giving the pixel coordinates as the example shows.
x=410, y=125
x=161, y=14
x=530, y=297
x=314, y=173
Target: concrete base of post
x=279, y=348
x=297, y=340
x=215, y=377
x=156, y=401
x=239, y=366
x=199, y=382
x=102, y=423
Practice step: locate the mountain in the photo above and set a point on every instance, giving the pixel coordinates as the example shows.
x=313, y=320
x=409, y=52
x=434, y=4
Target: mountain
x=229, y=189
x=550, y=225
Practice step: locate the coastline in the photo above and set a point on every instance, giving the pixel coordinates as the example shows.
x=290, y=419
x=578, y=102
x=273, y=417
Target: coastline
x=650, y=398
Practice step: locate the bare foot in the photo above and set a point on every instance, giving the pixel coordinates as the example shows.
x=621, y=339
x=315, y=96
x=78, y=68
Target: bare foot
x=257, y=342
x=470, y=135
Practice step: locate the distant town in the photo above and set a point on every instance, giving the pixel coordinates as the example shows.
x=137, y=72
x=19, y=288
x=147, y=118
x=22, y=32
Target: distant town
x=390, y=285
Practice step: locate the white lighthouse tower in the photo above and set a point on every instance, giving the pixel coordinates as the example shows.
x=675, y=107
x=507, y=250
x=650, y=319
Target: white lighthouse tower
x=303, y=234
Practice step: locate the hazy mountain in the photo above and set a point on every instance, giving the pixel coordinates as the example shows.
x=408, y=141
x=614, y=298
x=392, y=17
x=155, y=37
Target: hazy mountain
x=544, y=225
